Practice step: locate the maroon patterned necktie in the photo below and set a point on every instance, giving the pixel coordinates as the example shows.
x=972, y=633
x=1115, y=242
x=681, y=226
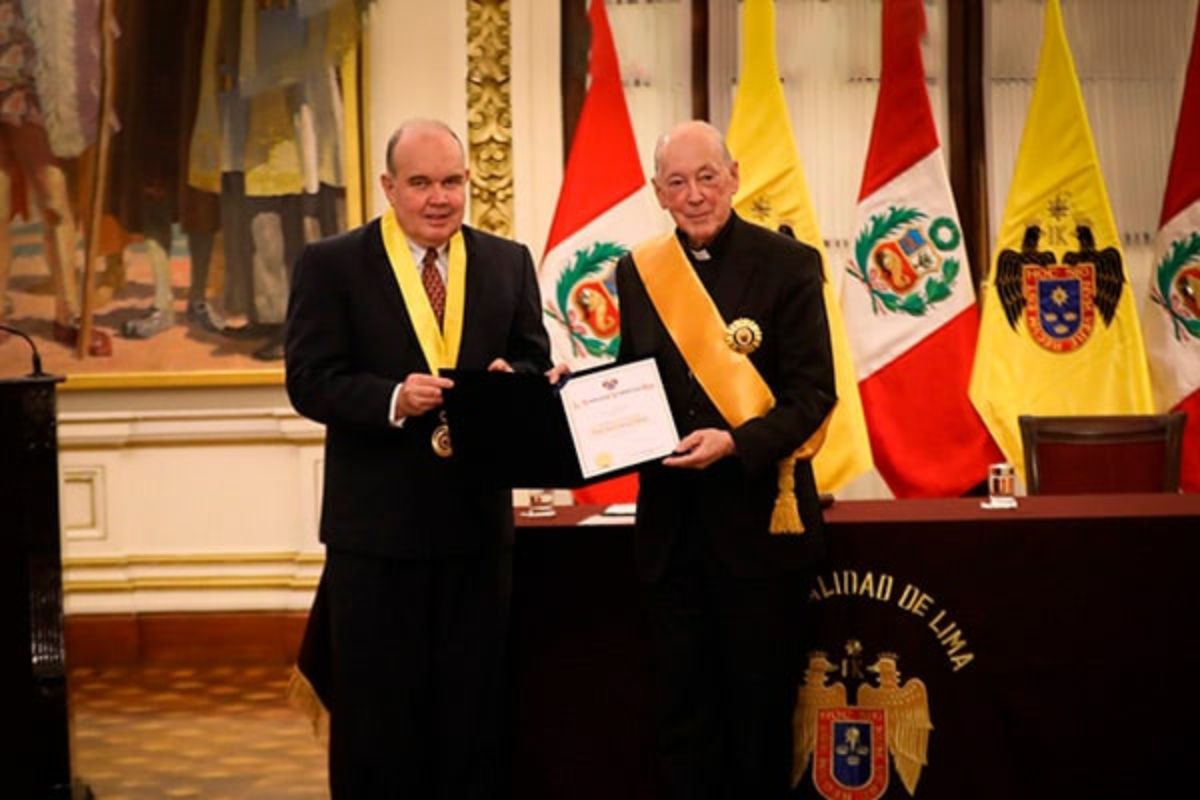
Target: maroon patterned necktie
x=434, y=287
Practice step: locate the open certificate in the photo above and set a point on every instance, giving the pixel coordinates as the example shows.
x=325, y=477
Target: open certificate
x=619, y=417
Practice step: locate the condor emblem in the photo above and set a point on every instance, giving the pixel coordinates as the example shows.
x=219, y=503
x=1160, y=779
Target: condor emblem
x=848, y=745
x=1059, y=300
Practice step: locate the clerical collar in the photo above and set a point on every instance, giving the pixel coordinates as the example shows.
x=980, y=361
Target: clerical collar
x=714, y=249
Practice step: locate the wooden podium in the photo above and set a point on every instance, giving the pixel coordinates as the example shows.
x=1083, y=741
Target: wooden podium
x=33, y=661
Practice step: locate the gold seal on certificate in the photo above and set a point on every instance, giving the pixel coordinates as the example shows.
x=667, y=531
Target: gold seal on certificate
x=618, y=417
x=743, y=336
x=441, y=438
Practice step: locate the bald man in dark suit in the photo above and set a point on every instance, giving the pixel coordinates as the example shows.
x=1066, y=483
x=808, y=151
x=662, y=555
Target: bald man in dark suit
x=724, y=580
x=418, y=562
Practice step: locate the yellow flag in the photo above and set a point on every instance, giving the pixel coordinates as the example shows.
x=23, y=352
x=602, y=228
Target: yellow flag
x=774, y=192
x=1059, y=333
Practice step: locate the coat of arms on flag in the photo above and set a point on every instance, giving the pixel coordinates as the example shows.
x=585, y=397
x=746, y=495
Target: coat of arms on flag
x=585, y=300
x=1177, y=286
x=1059, y=300
x=907, y=266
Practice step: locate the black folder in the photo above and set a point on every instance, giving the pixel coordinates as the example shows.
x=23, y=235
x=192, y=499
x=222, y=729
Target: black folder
x=509, y=429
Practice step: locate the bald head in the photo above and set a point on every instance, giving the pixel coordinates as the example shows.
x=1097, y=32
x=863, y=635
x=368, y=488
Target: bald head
x=696, y=131
x=422, y=128
x=695, y=179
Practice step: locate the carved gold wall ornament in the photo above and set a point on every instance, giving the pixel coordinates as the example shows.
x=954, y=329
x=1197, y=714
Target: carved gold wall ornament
x=489, y=114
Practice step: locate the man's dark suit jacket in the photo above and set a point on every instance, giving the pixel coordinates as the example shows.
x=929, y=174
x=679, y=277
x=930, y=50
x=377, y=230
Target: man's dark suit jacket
x=350, y=342
x=775, y=281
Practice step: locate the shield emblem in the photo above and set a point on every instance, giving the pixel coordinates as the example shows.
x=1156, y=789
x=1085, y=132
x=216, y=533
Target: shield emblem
x=1186, y=290
x=1060, y=309
x=892, y=268
x=919, y=251
x=596, y=307
x=850, y=759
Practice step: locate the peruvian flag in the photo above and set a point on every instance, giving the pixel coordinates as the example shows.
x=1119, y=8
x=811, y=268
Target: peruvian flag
x=910, y=307
x=604, y=209
x=1171, y=320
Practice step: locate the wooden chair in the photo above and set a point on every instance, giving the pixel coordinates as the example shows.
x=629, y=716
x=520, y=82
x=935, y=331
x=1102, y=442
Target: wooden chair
x=1102, y=454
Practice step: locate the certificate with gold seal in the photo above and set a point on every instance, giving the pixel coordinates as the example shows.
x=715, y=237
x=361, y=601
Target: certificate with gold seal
x=619, y=417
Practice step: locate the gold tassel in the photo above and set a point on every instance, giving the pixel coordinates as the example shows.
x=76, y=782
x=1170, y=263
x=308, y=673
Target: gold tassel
x=303, y=697
x=786, y=516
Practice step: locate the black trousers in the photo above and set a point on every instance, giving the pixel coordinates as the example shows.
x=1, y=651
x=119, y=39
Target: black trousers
x=418, y=657
x=727, y=658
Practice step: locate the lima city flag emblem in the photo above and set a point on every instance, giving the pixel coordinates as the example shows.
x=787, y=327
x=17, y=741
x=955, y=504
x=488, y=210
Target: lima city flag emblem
x=903, y=261
x=585, y=300
x=1059, y=300
x=1177, y=285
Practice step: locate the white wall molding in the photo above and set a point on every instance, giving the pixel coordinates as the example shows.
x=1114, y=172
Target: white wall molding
x=113, y=429
x=191, y=581
x=189, y=509
x=83, y=507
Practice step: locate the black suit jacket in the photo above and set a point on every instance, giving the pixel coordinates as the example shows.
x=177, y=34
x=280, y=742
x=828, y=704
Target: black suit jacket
x=350, y=341
x=775, y=281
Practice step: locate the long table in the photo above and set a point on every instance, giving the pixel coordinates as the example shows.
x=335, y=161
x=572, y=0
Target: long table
x=1056, y=646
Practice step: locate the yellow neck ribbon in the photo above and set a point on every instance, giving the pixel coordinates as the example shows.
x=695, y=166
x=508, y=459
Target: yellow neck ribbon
x=440, y=345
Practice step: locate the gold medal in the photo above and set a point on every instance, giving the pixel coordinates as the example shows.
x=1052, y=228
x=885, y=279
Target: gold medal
x=743, y=336
x=441, y=438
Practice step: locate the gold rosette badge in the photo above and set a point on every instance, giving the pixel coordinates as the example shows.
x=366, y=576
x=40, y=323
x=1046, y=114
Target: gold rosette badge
x=743, y=336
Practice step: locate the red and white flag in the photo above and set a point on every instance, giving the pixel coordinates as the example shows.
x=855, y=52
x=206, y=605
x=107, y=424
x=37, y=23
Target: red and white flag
x=1171, y=320
x=604, y=209
x=910, y=310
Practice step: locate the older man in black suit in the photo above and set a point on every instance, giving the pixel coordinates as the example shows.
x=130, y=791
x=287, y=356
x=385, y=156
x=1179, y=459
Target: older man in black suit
x=417, y=570
x=734, y=315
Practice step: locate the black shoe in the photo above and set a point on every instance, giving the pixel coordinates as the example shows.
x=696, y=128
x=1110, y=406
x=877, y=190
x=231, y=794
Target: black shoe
x=251, y=330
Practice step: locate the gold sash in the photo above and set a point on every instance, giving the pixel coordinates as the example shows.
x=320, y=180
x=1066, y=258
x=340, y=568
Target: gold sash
x=440, y=345
x=729, y=379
